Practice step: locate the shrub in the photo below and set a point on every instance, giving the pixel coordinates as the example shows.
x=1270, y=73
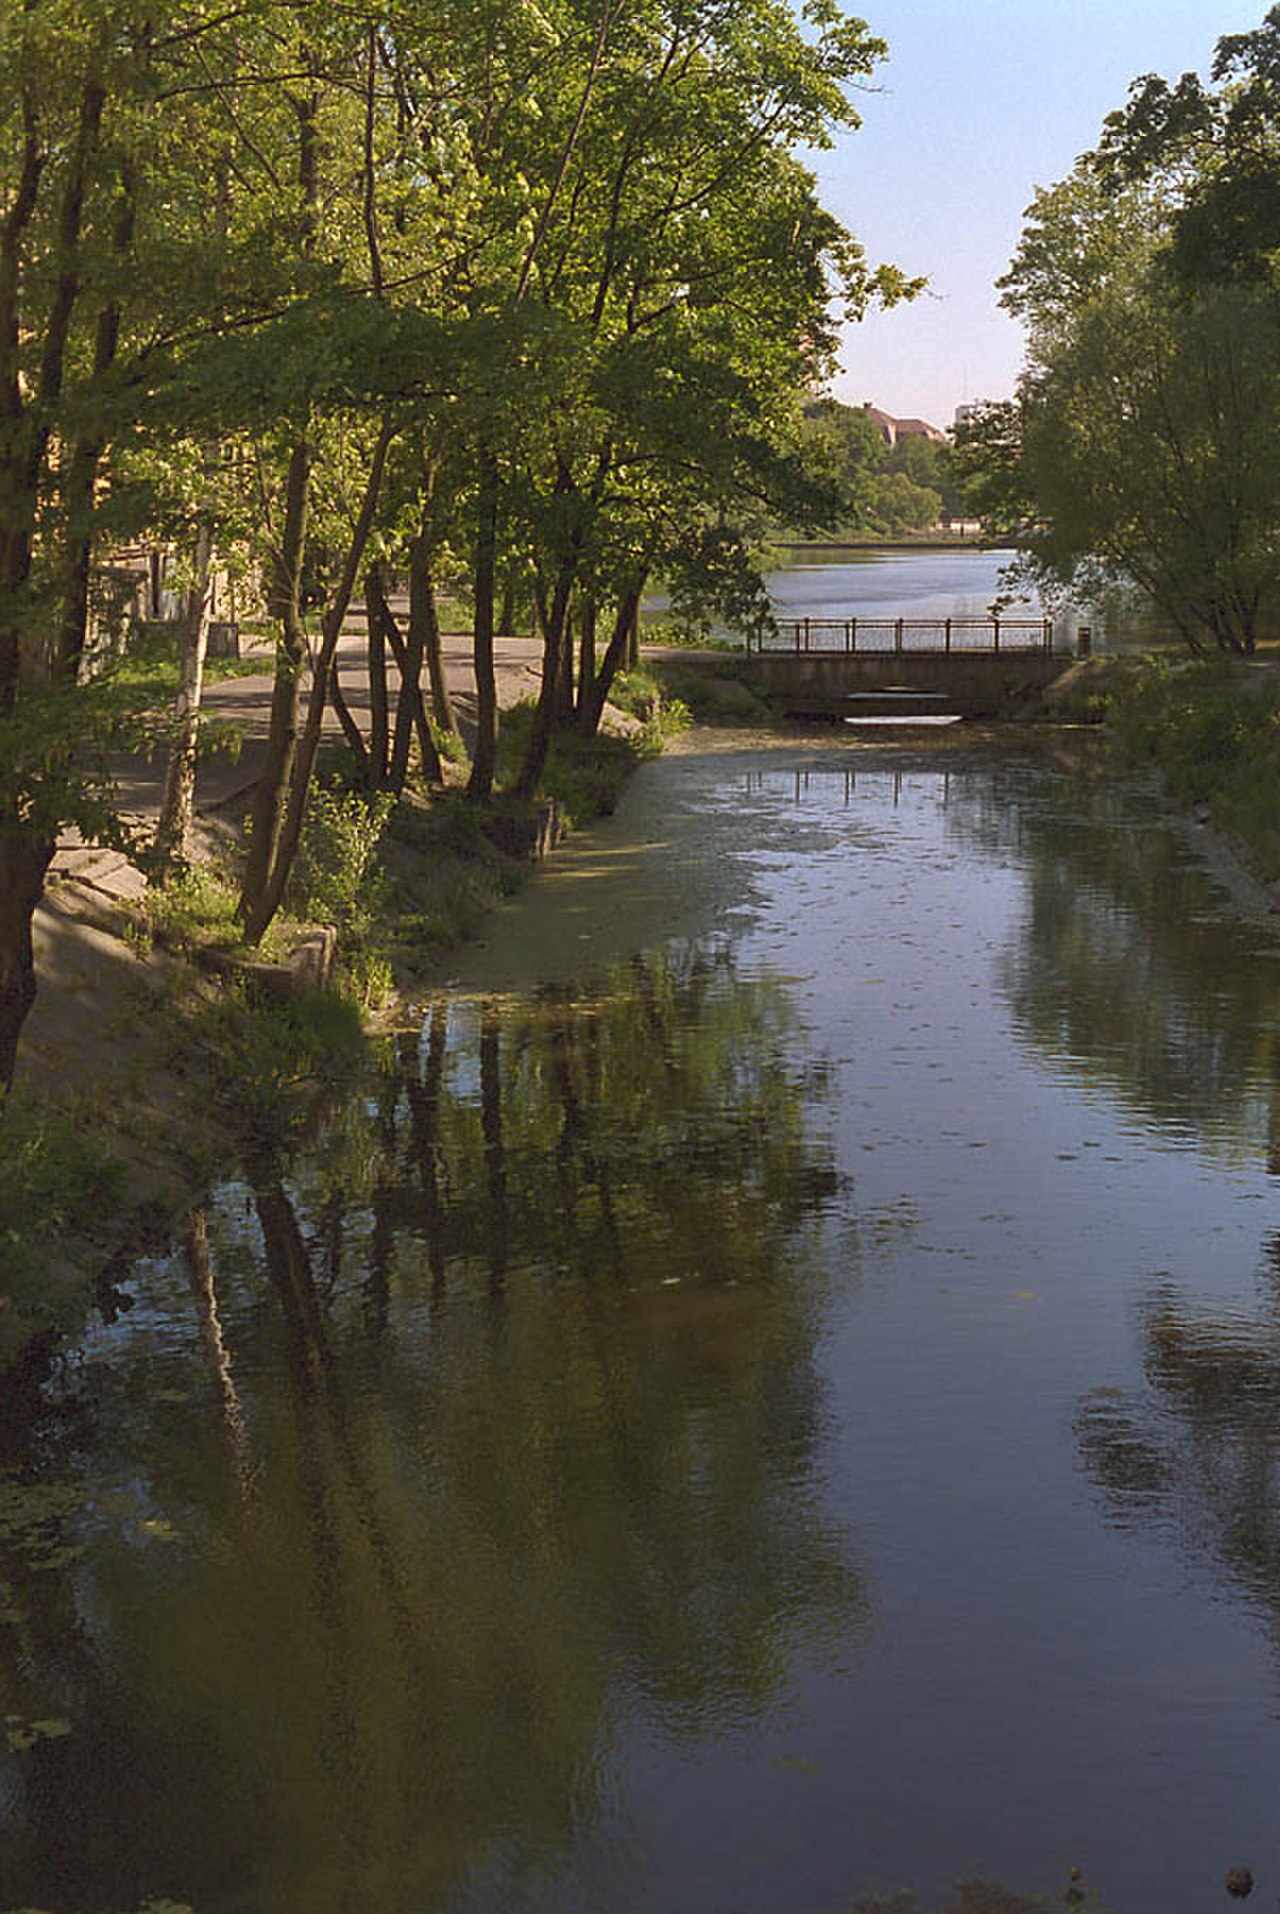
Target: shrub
x=340, y=835
x=337, y=881
x=1213, y=732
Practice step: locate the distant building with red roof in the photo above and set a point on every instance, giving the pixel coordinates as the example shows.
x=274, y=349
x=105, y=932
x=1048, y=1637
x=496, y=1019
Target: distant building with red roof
x=891, y=429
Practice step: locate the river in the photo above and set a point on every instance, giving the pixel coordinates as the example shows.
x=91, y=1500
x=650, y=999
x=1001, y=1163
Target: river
x=770, y=1393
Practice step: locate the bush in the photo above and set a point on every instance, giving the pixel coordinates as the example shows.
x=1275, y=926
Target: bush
x=340, y=836
x=268, y=1062
x=1213, y=732
x=641, y=694
x=193, y=908
x=337, y=882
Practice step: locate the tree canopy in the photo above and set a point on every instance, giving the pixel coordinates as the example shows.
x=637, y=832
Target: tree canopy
x=534, y=293
x=1140, y=449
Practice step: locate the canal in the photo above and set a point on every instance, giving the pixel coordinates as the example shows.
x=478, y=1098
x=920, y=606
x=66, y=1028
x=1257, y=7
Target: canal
x=770, y=1394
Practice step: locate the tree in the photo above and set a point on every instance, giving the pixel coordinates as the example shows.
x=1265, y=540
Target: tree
x=80, y=144
x=1213, y=152
x=1141, y=447
x=543, y=285
x=685, y=274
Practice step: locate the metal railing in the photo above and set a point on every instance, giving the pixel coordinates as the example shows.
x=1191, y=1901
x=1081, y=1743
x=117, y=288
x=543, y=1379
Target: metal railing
x=934, y=636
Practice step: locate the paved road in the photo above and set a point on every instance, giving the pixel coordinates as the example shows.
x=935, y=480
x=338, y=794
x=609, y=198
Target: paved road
x=223, y=778
x=244, y=703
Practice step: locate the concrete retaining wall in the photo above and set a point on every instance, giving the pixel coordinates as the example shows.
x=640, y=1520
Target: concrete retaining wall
x=835, y=684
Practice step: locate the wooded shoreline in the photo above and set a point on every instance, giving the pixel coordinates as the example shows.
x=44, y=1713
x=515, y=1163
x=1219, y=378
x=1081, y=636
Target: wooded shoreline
x=149, y=1069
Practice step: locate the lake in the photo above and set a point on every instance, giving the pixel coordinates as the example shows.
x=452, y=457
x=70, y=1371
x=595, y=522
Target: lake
x=957, y=583
x=918, y=582
x=769, y=1393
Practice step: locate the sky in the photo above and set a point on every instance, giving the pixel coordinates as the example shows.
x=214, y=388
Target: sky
x=980, y=103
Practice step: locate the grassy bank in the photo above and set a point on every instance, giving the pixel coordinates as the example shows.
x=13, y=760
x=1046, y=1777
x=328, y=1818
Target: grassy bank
x=163, y=1049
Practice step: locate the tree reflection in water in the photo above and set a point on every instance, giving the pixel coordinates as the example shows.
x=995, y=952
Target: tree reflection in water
x=493, y=1428
x=1126, y=965
x=1202, y=1446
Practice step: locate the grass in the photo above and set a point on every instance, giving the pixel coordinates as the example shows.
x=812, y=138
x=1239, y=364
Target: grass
x=46, y=1169
x=584, y=777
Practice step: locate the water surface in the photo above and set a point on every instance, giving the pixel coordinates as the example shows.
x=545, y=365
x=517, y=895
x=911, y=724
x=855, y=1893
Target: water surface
x=915, y=583
x=771, y=1392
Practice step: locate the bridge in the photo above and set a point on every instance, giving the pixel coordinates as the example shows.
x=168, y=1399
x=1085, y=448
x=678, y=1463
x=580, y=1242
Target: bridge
x=868, y=667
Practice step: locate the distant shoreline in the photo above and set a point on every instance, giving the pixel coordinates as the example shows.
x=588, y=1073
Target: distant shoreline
x=925, y=543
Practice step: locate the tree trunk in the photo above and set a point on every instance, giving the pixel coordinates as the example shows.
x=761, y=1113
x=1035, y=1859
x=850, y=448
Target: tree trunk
x=565, y=672
x=631, y=650
x=82, y=469
x=484, y=761
x=350, y=729
x=266, y=902
x=507, y=615
x=593, y=695
x=26, y=422
x=376, y=640
x=286, y=692
x=549, y=702
x=586, y=648
x=424, y=634
x=411, y=715
x=24, y=859
x=26, y=426
x=178, y=808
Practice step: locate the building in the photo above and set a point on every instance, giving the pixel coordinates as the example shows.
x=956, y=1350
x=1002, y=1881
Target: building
x=891, y=429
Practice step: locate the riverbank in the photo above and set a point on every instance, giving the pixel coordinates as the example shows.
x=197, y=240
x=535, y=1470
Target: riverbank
x=156, y=1053
x=905, y=542
x=148, y=1063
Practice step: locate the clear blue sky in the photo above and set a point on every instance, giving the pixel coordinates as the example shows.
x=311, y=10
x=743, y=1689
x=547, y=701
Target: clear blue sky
x=979, y=103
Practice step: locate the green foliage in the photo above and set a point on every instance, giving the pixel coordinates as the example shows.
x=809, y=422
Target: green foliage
x=883, y=490
x=238, y=256
x=194, y=907
x=52, y=1184
x=712, y=692
x=641, y=694
x=1214, y=735
x=449, y=744
x=337, y=881
x=1142, y=447
x=269, y=1064
x=583, y=777
x=339, y=845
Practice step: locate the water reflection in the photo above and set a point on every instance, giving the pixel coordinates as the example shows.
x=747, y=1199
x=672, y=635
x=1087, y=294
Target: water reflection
x=1126, y=965
x=1196, y=1450
x=432, y=1456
